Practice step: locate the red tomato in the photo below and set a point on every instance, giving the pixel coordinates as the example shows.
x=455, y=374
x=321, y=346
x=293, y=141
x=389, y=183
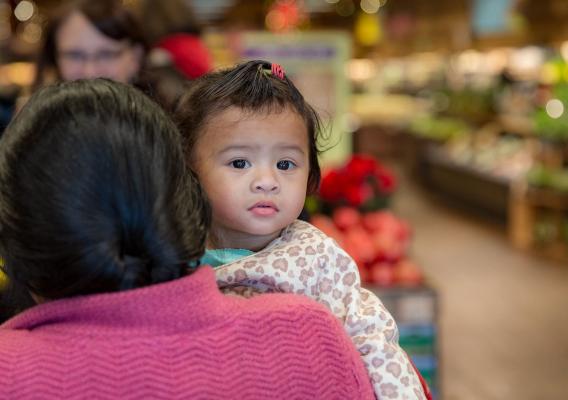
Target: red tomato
x=326, y=225
x=382, y=274
x=346, y=217
x=407, y=273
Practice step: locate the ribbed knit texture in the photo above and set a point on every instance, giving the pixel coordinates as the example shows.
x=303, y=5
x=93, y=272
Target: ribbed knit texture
x=181, y=339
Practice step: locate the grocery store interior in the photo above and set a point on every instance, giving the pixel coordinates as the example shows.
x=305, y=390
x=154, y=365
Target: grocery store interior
x=445, y=174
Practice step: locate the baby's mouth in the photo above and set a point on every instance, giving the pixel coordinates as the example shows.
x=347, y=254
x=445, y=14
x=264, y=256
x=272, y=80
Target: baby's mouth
x=264, y=208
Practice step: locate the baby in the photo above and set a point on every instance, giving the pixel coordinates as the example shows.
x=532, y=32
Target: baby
x=252, y=139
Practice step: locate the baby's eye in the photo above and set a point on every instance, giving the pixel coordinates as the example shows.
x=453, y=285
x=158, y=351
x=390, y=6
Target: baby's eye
x=285, y=165
x=240, y=164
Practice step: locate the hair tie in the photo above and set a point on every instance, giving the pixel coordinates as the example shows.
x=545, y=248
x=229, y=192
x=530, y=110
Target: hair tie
x=277, y=71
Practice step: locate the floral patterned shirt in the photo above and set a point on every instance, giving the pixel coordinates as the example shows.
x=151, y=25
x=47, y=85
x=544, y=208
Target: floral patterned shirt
x=304, y=260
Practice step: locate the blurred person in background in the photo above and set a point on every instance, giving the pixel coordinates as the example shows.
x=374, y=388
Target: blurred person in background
x=90, y=39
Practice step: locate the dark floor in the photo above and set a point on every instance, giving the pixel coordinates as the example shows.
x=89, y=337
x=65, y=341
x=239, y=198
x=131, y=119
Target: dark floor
x=503, y=314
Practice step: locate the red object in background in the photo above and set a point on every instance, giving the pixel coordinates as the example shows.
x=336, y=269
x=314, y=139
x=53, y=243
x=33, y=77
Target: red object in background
x=372, y=221
x=360, y=166
x=331, y=186
x=382, y=274
x=364, y=274
x=389, y=248
x=352, y=249
x=357, y=195
x=188, y=53
x=386, y=179
x=386, y=221
x=284, y=15
x=377, y=241
x=359, y=183
x=346, y=217
x=407, y=273
x=390, y=235
x=326, y=225
x=358, y=241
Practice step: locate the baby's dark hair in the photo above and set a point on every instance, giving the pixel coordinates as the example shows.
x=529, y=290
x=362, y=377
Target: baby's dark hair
x=95, y=195
x=252, y=87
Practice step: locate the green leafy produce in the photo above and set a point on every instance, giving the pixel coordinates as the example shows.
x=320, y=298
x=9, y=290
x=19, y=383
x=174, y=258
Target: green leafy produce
x=552, y=127
x=472, y=104
x=545, y=231
x=439, y=128
x=545, y=177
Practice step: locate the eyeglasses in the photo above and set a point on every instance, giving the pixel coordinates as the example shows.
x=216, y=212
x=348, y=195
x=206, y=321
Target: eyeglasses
x=100, y=57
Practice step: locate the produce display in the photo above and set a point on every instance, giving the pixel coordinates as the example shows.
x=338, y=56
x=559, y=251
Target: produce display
x=377, y=241
x=363, y=183
x=547, y=177
x=506, y=157
x=547, y=230
x=352, y=208
x=439, y=128
x=550, y=118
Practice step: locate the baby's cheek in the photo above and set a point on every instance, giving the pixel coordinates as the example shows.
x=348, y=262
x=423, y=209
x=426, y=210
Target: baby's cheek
x=297, y=199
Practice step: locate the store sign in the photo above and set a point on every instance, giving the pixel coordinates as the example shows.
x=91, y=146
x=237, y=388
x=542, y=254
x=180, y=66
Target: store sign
x=309, y=52
x=314, y=61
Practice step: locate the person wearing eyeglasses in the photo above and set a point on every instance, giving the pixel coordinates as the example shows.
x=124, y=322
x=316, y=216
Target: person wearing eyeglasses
x=91, y=39
x=87, y=39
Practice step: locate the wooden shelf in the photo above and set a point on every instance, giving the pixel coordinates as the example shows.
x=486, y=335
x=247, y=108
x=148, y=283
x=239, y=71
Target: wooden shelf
x=527, y=205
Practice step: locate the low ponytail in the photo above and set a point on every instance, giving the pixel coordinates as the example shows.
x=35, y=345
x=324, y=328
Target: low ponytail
x=95, y=195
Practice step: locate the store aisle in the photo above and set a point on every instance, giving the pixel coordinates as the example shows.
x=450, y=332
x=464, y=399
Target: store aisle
x=503, y=314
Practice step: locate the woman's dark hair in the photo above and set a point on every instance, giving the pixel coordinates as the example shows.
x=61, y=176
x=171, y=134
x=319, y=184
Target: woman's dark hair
x=95, y=195
x=162, y=18
x=251, y=87
x=109, y=17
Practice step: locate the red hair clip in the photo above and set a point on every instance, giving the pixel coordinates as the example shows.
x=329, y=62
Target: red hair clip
x=277, y=71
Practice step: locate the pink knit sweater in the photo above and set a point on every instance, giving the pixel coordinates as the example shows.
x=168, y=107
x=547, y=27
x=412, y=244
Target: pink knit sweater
x=181, y=339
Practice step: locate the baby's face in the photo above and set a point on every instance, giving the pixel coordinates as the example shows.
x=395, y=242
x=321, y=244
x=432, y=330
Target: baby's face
x=254, y=168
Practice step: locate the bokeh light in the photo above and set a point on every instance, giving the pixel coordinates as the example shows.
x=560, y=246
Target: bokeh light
x=24, y=10
x=554, y=108
x=370, y=6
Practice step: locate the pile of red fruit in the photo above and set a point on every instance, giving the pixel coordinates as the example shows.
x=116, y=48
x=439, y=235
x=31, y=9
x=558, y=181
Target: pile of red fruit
x=378, y=241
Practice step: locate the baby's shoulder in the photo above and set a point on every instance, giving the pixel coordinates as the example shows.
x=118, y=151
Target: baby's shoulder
x=304, y=238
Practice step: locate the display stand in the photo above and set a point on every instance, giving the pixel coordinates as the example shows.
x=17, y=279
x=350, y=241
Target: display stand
x=528, y=205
